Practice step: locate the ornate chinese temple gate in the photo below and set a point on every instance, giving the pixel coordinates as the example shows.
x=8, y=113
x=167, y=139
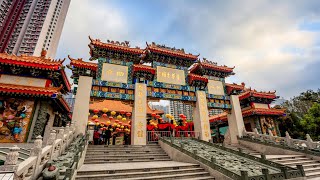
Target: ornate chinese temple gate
x=120, y=75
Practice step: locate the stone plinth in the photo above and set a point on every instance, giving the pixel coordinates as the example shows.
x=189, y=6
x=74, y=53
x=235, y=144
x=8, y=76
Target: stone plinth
x=201, y=116
x=235, y=120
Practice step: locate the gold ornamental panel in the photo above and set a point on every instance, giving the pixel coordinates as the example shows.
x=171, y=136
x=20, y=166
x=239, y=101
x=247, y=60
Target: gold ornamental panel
x=114, y=73
x=215, y=87
x=170, y=76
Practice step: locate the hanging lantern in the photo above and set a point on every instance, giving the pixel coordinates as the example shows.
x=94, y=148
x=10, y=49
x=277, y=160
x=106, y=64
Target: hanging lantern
x=128, y=114
x=111, y=129
x=122, y=112
x=113, y=113
x=116, y=121
x=168, y=116
x=129, y=126
x=119, y=117
x=105, y=110
x=129, y=122
x=120, y=123
x=96, y=111
x=158, y=116
x=97, y=124
x=117, y=129
x=95, y=117
x=96, y=120
x=101, y=129
x=104, y=115
x=115, y=124
x=181, y=115
x=153, y=114
x=108, y=123
x=121, y=127
x=124, y=119
x=110, y=117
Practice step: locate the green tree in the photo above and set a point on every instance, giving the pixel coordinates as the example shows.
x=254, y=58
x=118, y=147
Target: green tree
x=311, y=121
x=296, y=109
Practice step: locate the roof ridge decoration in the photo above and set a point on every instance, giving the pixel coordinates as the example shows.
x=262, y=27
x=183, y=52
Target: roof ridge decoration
x=205, y=61
x=82, y=64
x=174, y=51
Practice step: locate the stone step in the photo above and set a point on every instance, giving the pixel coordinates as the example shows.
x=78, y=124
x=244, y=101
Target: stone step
x=124, y=150
x=124, y=161
x=310, y=165
x=311, y=169
x=304, y=162
x=125, y=155
x=138, y=170
x=175, y=176
x=106, y=159
x=202, y=178
x=291, y=160
x=313, y=175
x=141, y=174
x=279, y=157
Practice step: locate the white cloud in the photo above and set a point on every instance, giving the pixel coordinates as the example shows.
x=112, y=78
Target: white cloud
x=263, y=39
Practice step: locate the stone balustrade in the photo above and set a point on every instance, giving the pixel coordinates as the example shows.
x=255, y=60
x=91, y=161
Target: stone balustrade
x=32, y=167
x=307, y=145
x=233, y=164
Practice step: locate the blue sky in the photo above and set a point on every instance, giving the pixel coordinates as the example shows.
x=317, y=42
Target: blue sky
x=274, y=45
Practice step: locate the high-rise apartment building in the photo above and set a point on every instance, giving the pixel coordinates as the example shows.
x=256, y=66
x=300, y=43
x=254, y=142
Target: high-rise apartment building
x=28, y=26
x=178, y=107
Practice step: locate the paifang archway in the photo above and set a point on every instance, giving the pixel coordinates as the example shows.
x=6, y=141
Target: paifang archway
x=170, y=74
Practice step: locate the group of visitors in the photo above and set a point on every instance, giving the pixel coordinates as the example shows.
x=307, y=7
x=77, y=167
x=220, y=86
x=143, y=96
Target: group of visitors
x=103, y=136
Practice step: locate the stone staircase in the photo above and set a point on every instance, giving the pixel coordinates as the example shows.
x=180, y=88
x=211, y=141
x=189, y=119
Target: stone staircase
x=311, y=167
x=135, y=163
x=99, y=154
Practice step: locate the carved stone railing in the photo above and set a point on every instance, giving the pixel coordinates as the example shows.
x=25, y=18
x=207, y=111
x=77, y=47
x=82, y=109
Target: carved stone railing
x=235, y=165
x=305, y=146
x=32, y=167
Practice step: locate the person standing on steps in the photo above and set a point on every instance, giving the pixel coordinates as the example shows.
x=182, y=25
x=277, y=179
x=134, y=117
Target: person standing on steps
x=96, y=136
x=107, y=136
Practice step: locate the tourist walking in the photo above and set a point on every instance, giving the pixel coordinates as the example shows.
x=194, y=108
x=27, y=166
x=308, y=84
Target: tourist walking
x=107, y=136
x=96, y=137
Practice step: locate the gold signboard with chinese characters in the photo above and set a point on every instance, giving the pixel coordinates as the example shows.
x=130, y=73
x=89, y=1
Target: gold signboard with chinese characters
x=20, y=80
x=139, y=115
x=171, y=76
x=215, y=87
x=114, y=73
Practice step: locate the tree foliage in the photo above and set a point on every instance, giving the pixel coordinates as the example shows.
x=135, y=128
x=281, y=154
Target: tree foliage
x=302, y=116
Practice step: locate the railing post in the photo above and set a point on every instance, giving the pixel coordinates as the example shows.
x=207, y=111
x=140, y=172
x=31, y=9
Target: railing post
x=244, y=175
x=36, y=151
x=240, y=150
x=12, y=156
x=52, y=137
x=309, y=142
x=288, y=139
x=284, y=169
x=213, y=160
x=300, y=168
x=266, y=173
x=263, y=156
x=11, y=160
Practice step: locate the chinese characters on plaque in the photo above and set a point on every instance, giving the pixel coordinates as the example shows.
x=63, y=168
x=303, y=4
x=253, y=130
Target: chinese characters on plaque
x=215, y=87
x=114, y=73
x=20, y=80
x=139, y=115
x=171, y=76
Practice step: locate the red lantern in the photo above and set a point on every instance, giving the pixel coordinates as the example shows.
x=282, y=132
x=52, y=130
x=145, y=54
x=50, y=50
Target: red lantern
x=120, y=123
x=117, y=129
x=116, y=121
x=110, y=117
x=122, y=112
x=153, y=114
x=104, y=115
x=96, y=111
x=128, y=114
x=158, y=116
x=181, y=115
x=96, y=120
x=129, y=126
x=101, y=129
